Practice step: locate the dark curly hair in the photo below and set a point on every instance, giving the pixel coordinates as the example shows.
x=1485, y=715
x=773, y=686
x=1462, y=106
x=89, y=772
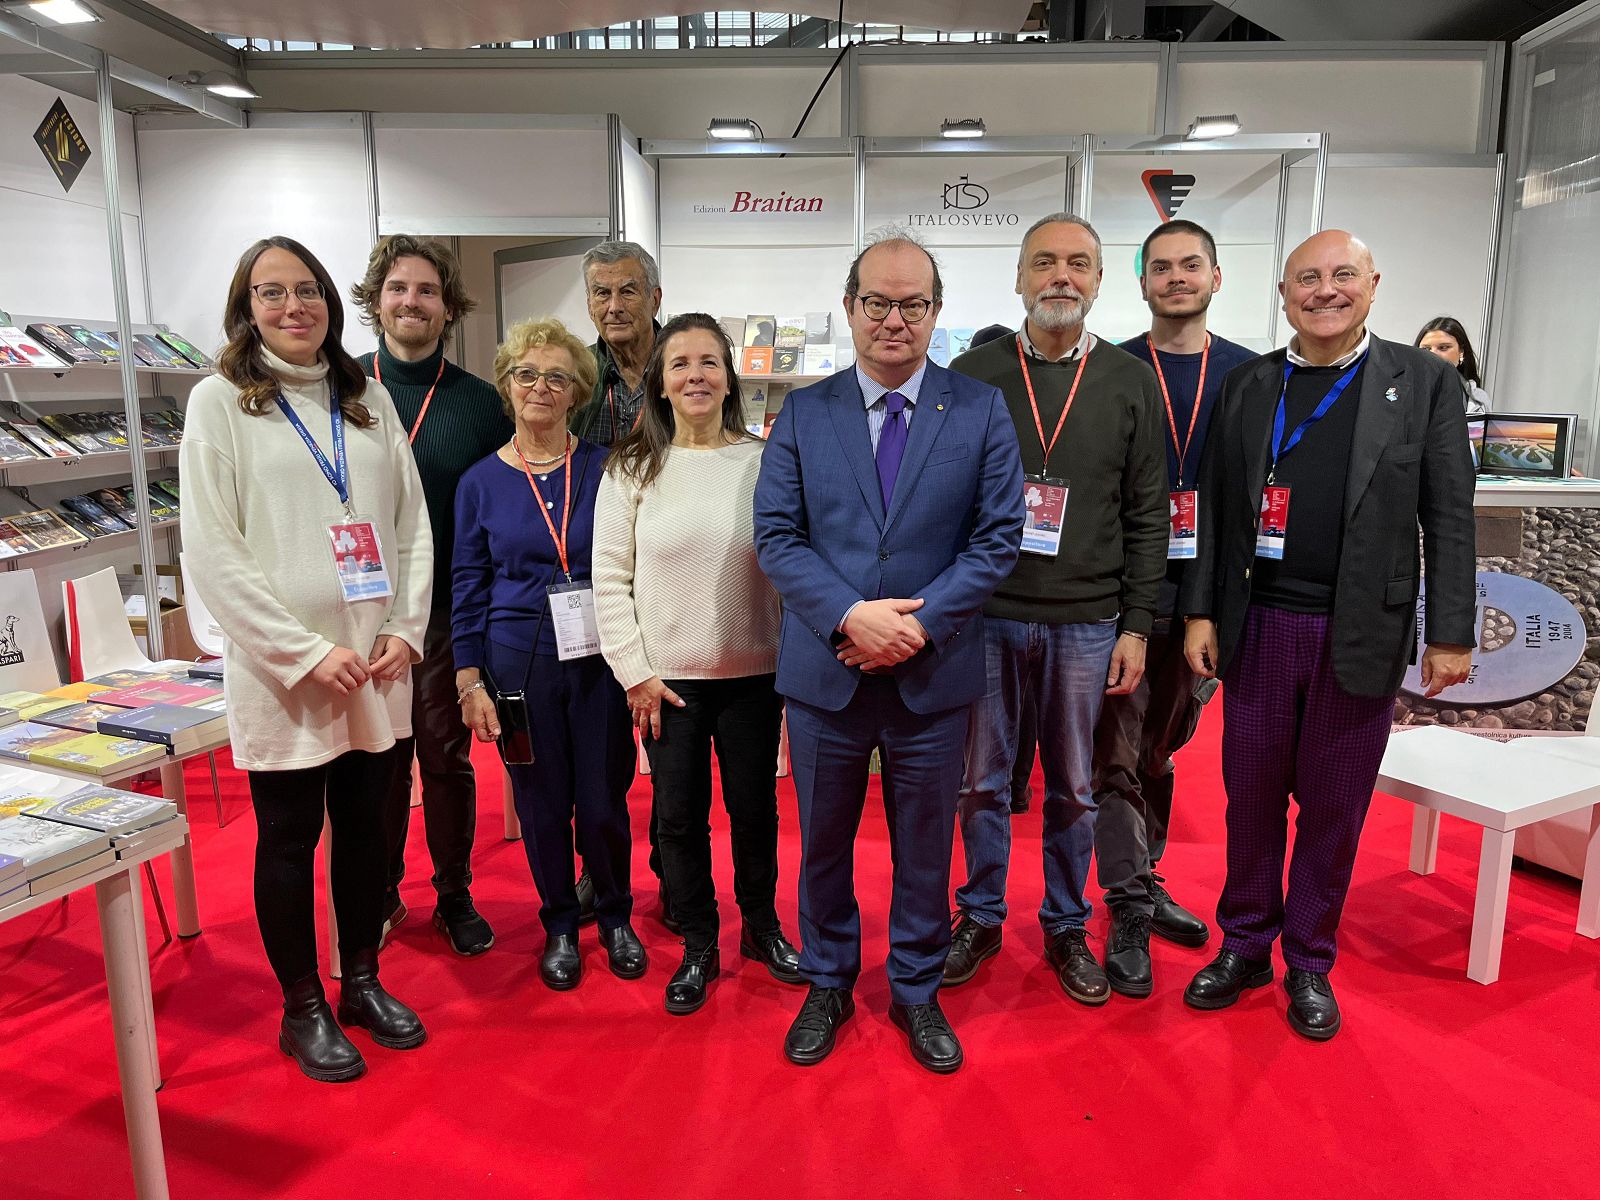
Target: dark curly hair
x=389, y=250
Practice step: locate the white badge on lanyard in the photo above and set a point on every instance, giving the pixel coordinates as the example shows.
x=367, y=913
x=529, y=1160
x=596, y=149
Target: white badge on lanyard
x=572, y=615
x=1183, y=516
x=1183, y=509
x=1044, y=499
x=1274, y=526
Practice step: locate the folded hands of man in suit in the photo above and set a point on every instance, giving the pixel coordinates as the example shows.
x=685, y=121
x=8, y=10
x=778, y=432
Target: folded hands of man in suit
x=880, y=634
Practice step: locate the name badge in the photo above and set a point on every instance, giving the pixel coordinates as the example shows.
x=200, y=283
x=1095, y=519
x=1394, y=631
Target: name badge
x=572, y=616
x=1183, y=515
x=1274, y=527
x=358, y=561
x=1045, y=502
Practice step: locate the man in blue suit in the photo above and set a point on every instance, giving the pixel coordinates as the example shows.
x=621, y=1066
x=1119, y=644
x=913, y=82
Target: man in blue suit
x=889, y=507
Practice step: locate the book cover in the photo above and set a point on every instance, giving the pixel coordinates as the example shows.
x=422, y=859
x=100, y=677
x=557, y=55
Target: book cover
x=734, y=328
x=84, y=717
x=67, y=427
x=819, y=329
x=107, y=428
x=8, y=716
x=188, y=349
x=69, y=875
x=22, y=739
x=786, y=360
x=171, y=725
x=210, y=669
x=10, y=867
x=757, y=360
x=818, y=360
x=159, y=354
x=97, y=516
x=754, y=404
x=155, y=432
x=115, y=503
x=760, y=329
x=13, y=448
x=845, y=355
x=939, y=347
x=791, y=331
x=92, y=753
x=17, y=349
x=62, y=344
x=47, y=443
x=45, y=529
x=119, y=679
x=17, y=800
x=157, y=692
x=161, y=506
x=13, y=541
x=102, y=343
x=107, y=810
x=30, y=704
x=76, y=692
x=46, y=846
x=170, y=487
x=78, y=523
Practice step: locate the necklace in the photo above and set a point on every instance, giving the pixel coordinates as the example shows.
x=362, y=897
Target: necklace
x=544, y=462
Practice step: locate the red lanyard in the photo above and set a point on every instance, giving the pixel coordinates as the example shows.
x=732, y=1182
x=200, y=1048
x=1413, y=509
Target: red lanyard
x=566, y=505
x=1194, y=414
x=1065, y=408
x=611, y=401
x=377, y=374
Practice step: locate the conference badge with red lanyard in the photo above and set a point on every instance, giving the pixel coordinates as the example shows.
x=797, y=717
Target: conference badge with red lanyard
x=1183, y=509
x=1044, y=496
x=1272, y=530
x=571, y=602
x=358, y=560
x=377, y=374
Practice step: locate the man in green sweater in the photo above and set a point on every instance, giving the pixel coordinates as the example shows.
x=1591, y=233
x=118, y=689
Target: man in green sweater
x=413, y=295
x=1069, y=625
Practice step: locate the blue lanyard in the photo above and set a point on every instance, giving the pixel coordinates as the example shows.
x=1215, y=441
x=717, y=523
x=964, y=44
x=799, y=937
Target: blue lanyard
x=1279, y=418
x=337, y=472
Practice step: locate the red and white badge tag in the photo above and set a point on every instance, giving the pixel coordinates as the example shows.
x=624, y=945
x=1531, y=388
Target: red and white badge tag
x=1183, y=514
x=358, y=561
x=1274, y=526
x=1044, y=502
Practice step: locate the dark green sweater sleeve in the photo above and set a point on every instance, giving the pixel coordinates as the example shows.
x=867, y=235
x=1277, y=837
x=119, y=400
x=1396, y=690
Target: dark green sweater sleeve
x=1144, y=513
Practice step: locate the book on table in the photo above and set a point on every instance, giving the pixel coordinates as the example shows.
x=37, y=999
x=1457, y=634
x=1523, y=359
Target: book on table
x=71, y=430
x=91, y=511
x=158, y=691
x=62, y=344
x=17, y=349
x=8, y=715
x=46, y=847
x=211, y=668
x=158, y=353
x=196, y=356
x=18, y=799
x=72, y=750
x=46, y=530
x=11, y=868
x=31, y=704
x=84, y=717
x=102, y=342
x=180, y=728
x=75, y=691
x=47, y=443
x=14, y=449
x=107, y=810
x=13, y=541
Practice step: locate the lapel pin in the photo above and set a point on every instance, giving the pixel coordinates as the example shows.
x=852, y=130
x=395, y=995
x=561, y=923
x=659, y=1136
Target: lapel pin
x=940, y=407
x=1391, y=395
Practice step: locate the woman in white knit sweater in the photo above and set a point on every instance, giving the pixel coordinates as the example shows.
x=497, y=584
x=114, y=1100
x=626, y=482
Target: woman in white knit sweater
x=305, y=526
x=689, y=626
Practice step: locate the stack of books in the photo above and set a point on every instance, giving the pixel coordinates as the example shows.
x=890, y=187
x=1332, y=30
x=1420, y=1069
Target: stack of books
x=73, y=344
x=131, y=821
x=72, y=750
x=13, y=880
x=71, y=435
x=54, y=853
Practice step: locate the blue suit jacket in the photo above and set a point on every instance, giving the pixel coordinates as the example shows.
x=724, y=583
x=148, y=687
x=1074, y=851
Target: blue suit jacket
x=950, y=536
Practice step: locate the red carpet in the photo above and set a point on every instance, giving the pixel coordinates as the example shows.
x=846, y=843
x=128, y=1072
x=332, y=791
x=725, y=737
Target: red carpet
x=1436, y=1087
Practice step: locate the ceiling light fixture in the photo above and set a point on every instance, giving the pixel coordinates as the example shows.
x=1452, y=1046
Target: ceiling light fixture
x=966, y=127
x=1206, y=128
x=63, y=12
x=734, y=129
x=218, y=83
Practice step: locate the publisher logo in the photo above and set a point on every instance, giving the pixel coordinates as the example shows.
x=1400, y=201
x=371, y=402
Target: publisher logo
x=10, y=655
x=1167, y=190
x=62, y=144
x=964, y=195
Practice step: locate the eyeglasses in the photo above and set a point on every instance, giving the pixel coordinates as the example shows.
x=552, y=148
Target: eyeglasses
x=557, y=381
x=911, y=311
x=275, y=295
x=1343, y=277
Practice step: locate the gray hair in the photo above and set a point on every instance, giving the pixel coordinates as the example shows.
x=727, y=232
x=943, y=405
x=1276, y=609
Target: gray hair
x=1062, y=218
x=615, y=252
x=892, y=235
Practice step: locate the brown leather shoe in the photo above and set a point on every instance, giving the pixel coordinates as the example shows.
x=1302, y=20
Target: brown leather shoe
x=1081, y=975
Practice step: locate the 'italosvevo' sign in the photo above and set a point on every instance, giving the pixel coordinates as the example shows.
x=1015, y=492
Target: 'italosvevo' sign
x=749, y=202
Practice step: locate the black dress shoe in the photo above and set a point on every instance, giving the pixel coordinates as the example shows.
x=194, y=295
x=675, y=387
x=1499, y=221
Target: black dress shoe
x=686, y=990
x=585, y=889
x=561, y=966
x=667, y=918
x=1173, y=921
x=457, y=918
x=363, y=1002
x=311, y=1036
x=810, y=1038
x=933, y=1042
x=773, y=951
x=970, y=944
x=1224, y=979
x=1019, y=800
x=624, y=952
x=1079, y=972
x=1313, y=1012
x=1128, y=953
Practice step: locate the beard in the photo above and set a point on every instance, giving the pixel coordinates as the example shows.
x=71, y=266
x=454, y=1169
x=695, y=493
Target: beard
x=1180, y=305
x=1055, y=318
x=413, y=335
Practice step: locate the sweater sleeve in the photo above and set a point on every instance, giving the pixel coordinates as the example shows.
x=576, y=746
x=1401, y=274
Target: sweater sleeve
x=412, y=575
x=226, y=571
x=471, y=577
x=1144, y=511
x=616, y=511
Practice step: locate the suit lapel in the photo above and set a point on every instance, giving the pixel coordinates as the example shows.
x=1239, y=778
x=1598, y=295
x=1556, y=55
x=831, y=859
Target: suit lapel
x=1376, y=418
x=1255, y=424
x=933, y=402
x=848, y=410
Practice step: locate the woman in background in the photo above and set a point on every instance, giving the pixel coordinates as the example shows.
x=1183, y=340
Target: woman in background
x=305, y=524
x=1446, y=337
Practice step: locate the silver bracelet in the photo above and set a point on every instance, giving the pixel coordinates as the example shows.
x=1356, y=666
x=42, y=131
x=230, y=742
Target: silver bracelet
x=476, y=686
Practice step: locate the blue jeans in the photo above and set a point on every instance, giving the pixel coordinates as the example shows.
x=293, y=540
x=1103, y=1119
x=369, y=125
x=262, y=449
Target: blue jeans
x=1064, y=668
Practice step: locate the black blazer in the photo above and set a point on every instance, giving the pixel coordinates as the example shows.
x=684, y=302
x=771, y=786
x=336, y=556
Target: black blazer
x=1410, y=464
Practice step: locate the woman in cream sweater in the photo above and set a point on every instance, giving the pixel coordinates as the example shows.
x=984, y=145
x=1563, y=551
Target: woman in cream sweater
x=689, y=626
x=304, y=521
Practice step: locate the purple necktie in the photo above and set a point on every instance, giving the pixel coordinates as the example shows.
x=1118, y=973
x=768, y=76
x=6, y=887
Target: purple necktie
x=891, y=445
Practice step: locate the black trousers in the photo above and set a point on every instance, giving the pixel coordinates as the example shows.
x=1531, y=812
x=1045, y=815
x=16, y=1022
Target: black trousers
x=1135, y=740
x=289, y=806
x=583, y=767
x=741, y=719
x=441, y=745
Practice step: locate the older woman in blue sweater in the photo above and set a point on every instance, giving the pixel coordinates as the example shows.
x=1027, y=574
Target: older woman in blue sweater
x=521, y=584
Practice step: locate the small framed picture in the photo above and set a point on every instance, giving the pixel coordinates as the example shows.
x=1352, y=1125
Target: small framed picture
x=1526, y=445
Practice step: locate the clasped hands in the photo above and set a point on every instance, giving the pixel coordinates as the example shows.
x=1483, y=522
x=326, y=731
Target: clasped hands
x=342, y=670
x=880, y=634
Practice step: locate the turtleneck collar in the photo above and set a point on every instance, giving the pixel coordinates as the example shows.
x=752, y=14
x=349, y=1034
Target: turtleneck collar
x=419, y=374
x=290, y=372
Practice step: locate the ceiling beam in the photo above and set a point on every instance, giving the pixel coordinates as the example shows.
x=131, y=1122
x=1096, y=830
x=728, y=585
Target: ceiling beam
x=1212, y=24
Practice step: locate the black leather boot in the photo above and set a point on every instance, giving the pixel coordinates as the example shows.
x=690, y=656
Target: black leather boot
x=686, y=990
x=311, y=1036
x=363, y=1002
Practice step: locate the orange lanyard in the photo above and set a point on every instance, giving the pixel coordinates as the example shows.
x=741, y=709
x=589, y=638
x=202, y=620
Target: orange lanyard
x=1194, y=415
x=377, y=374
x=611, y=401
x=1034, y=404
x=560, y=539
